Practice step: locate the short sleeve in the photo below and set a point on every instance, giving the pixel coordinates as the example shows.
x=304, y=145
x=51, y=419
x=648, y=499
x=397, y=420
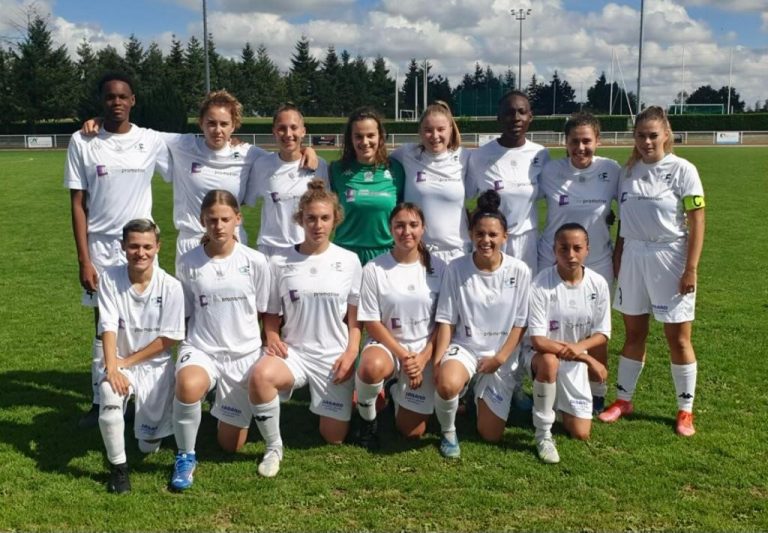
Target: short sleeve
x=261, y=282
x=74, y=169
x=690, y=182
x=368, y=309
x=447, y=303
x=520, y=319
x=109, y=312
x=602, y=311
x=538, y=308
x=274, y=305
x=172, y=320
x=357, y=273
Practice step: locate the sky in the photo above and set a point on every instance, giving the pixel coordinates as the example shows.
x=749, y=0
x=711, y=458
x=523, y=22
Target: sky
x=577, y=38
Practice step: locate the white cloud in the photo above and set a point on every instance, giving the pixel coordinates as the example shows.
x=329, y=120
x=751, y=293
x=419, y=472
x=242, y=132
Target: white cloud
x=730, y=5
x=764, y=27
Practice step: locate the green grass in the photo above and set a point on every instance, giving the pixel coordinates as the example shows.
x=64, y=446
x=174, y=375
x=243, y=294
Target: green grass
x=635, y=475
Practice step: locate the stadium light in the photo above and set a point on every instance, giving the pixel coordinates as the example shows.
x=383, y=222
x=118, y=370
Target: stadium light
x=520, y=14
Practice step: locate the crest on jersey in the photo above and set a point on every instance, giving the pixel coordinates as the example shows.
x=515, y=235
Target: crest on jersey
x=554, y=325
x=159, y=301
x=510, y=281
x=535, y=161
x=245, y=269
x=564, y=200
x=101, y=171
x=603, y=176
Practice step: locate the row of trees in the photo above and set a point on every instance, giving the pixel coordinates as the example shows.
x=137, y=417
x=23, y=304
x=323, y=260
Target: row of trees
x=40, y=82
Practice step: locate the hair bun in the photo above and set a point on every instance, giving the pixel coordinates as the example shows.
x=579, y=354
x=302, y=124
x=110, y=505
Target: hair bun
x=316, y=184
x=489, y=201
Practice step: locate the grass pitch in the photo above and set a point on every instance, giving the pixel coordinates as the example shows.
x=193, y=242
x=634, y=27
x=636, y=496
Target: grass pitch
x=634, y=475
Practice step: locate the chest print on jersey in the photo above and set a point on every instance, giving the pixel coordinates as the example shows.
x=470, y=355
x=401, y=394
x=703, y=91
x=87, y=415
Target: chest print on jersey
x=196, y=168
x=421, y=176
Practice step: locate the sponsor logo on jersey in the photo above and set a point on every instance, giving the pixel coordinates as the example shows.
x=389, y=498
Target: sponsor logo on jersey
x=140, y=147
x=467, y=331
x=349, y=195
x=554, y=325
x=196, y=168
x=368, y=176
x=235, y=155
x=101, y=171
x=420, y=177
x=395, y=323
x=293, y=294
x=203, y=300
x=498, y=185
x=564, y=200
x=275, y=197
x=347, y=173
x=120, y=323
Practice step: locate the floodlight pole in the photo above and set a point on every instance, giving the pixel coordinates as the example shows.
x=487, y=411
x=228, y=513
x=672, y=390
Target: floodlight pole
x=426, y=75
x=397, y=93
x=730, y=75
x=640, y=56
x=520, y=14
x=205, y=49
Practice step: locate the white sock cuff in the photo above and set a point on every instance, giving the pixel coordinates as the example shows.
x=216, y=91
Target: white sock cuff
x=260, y=408
x=631, y=363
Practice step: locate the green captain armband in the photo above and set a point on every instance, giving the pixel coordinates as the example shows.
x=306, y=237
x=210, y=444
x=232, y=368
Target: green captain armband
x=693, y=202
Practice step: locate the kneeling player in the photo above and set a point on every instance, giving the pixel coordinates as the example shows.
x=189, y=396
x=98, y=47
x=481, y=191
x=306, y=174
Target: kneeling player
x=141, y=310
x=569, y=317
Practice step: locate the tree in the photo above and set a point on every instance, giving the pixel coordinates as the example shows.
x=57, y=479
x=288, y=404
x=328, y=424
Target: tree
x=411, y=87
x=7, y=110
x=599, y=98
x=87, y=69
x=134, y=58
x=152, y=68
x=382, y=88
x=174, y=63
x=194, y=75
x=328, y=100
x=43, y=78
x=269, y=86
x=706, y=94
x=302, y=78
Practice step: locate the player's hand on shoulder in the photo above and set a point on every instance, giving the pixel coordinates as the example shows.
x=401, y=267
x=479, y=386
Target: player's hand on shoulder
x=91, y=127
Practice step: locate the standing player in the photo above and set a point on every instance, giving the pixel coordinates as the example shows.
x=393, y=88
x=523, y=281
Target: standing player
x=369, y=185
x=511, y=166
x=226, y=286
x=398, y=297
x=570, y=316
x=481, y=317
x=435, y=171
x=661, y=236
x=315, y=287
x=580, y=189
x=141, y=316
x=109, y=178
x=280, y=181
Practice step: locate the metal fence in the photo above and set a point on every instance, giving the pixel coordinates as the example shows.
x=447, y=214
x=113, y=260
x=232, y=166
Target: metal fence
x=608, y=138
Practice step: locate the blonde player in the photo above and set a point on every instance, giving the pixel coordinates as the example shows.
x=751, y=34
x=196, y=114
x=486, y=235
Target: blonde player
x=481, y=316
x=226, y=286
x=280, y=181
x=570, y=316
x=141, y=316
x=580, y=189
x=511, y=166
x=109, y=179
x=661, y=206
x=435, y=174
x=398, y=297
x=315, y=287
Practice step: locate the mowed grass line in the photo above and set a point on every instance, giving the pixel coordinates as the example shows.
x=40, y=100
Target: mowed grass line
x=635, y=475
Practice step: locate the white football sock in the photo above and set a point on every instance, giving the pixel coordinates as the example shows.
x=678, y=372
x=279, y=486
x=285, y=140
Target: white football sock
x=598, y=389
x=186, y=422
x=366, y=397
x=445, y=410
x=627, y=376
x=97, y=363
x=112, y=425
x=684, y=377
x=543, y=408
x=267, y=417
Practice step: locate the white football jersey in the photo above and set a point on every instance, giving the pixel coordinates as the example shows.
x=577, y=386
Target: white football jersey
x=115, y=170
x=196, y=169
x=569, y=313
x=138, y=319
x=583, y=196
x=402, y=296
x=281, y=184
x=484, y=306
x=514, y=174
x=312, y=293
x=223, y=300
x=436, y=184
x=651, y=199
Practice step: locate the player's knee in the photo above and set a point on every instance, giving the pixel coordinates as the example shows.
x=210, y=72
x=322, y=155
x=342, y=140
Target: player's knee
x=547, y=365
x=149, y=446
x=372, y=369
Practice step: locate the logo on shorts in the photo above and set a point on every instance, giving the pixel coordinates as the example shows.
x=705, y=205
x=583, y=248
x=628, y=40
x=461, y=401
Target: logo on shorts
x=203, y=300
x=467, y=331
x=275, y=196
x=349, y=195
x=420, y=177
x=196, y=168
x=623, y=197
x=498, y=185
x=396, y=323
x=293, y=294
x=147, y=429
x=554, y=325
x=231, y=411
x=101, y=171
